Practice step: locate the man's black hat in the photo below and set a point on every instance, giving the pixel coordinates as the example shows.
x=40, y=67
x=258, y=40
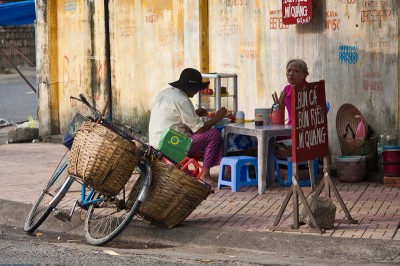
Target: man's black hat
x=190, y=79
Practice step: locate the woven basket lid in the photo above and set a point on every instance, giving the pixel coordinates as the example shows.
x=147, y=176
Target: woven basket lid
x=346, y=115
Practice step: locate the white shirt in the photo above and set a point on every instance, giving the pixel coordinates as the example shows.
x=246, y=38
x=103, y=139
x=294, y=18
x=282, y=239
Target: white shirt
x=173, y=109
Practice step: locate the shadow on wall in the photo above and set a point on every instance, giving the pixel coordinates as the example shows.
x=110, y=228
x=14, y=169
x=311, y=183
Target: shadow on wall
x=317, y=23
x=139, y=119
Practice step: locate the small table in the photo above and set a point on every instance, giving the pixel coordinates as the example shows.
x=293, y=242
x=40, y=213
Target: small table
x=263, y=134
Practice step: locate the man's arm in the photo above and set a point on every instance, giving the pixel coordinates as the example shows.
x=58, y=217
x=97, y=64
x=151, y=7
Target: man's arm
x=208, y=124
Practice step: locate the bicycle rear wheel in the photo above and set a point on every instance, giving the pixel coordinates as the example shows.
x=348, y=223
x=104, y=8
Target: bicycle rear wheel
x=41, y=208
x=107, y=219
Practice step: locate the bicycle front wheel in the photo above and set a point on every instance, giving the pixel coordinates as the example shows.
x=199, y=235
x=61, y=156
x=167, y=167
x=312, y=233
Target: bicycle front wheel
x=107, y=219
x=42, y=208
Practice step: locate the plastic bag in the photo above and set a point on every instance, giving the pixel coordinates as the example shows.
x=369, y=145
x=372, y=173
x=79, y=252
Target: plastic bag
x=31, y=123
x=360, y=132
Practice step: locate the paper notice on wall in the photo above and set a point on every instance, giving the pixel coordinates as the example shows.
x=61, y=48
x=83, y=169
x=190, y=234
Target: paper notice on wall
x=296, y=11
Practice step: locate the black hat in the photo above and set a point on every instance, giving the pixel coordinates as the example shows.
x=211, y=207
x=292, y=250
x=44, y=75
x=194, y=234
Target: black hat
x=190, y=79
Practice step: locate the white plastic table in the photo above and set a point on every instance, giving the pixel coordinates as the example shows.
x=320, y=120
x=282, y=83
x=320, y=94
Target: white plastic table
x=263, y=134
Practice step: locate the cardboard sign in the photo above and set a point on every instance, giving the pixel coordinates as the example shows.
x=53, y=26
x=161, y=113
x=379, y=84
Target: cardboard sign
x=309, y=122
x=296, y=11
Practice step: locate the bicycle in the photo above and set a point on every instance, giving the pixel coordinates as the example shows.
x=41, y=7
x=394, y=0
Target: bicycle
x=106, y=216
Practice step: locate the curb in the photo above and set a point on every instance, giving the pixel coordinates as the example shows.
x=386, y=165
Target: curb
x=222, y=240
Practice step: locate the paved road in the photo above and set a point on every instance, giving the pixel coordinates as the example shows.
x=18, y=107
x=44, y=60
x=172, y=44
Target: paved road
x=17, y=100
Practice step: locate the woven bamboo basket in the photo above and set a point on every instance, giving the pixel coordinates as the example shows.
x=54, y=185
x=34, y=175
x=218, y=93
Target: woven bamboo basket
x=346, y=124
x=102, y=159
x=346, y=115
x=173, y=195
x=358, y=146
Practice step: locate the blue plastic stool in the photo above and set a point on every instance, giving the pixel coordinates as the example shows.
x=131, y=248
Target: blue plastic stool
x=239, y=172
x=288, y=181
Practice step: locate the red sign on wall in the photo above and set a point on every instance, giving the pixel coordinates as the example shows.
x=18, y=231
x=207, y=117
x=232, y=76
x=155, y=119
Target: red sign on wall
x=296, y=11
x=309, y=122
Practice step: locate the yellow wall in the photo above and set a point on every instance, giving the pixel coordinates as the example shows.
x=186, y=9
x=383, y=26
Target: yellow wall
x=152, y=41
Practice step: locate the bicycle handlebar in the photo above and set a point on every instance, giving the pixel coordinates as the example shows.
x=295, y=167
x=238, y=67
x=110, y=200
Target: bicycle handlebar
x=107, y=123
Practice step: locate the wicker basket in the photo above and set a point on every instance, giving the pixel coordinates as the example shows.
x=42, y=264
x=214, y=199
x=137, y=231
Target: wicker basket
x=102, y=159
x=73, y=126
x=173, y=195
x=350, y=146
x=346, y=115
x=346, y=123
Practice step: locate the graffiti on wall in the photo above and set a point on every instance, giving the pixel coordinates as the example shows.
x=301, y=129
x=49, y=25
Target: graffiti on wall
x=166, y=34
x=348, y=54
x=377, y=11
x=379, y=45
x=228, y=24
x=152, y=18
x=127, y=28
x=73, y=73
x=70, y=6
x=275, y=20
x=248, y=50
x=372, y=81
x=178, y=60
x=230, y=67
x=224, y=30
x=349, y=2
x=332, y=22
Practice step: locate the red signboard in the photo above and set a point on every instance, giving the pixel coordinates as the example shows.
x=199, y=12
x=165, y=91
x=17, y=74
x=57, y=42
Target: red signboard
x=309, y=122
x=296, y=11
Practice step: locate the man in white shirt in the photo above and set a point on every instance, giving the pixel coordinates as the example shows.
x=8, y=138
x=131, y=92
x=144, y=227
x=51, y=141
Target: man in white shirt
x=173, y=109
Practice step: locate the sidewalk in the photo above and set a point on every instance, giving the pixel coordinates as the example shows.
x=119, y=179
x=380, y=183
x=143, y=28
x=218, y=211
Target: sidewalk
x=374, y=206
x=25, y=168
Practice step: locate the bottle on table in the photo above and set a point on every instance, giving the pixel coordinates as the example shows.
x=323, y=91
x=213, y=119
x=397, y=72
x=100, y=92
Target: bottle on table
x=240, y=117
x=259, y=120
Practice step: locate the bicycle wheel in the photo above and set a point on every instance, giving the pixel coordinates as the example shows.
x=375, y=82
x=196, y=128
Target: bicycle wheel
x=105, y=220
x=50, y=194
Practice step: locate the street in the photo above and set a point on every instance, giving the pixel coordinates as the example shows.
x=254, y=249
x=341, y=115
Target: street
x=17, y=99
x=45, y=248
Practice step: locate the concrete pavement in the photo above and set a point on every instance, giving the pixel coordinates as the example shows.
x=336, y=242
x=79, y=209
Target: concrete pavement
x=237, y=220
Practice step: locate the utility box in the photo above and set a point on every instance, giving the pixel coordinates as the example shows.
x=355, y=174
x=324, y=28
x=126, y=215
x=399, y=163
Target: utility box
x=174, y=145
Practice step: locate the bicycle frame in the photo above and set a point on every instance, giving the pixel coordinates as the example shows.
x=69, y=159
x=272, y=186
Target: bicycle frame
x=85, y=200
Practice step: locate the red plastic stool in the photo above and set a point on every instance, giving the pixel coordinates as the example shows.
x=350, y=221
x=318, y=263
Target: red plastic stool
x=188, y=163
x=165, y=160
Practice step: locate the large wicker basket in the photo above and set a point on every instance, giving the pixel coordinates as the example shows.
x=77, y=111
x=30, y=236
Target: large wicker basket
x=346, y=124
x=102, y=159
x=346, y=115
x=173, y=195
x=350, y=146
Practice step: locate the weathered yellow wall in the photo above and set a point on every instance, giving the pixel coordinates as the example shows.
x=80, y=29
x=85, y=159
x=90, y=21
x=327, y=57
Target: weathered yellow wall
x=73, y=63
x=152, y=41
x=81, y=56
x=248, y=38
